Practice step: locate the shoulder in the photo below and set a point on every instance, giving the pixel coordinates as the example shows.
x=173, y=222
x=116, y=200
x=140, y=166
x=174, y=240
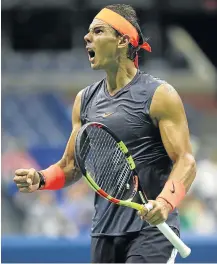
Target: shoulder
x=166, y=102
x=87, y=94
x=91, y=88
x=150, y=84
x=151, y=80
x=77, y=102
x=79, y=96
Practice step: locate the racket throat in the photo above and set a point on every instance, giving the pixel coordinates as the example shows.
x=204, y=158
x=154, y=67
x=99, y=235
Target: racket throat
x=143, y=198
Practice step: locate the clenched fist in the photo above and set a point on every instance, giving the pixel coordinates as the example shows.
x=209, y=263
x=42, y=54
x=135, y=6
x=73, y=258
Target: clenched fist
x=27, y=180
x=158, y=212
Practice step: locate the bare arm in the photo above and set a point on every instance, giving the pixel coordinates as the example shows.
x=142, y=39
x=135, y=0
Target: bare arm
x=167, y=109
x=168, y=112
x=29, y=180
x=67, y=162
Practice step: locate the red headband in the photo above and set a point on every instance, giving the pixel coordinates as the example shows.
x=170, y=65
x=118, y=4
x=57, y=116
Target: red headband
x=124, y=27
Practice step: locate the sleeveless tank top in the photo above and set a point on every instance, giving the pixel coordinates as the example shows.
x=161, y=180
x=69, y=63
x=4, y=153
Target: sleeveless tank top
x=127, y=114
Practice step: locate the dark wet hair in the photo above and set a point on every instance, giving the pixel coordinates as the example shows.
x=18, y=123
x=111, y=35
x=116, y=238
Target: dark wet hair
x=129, y=14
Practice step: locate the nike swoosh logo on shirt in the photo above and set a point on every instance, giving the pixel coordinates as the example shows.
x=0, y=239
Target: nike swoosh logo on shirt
x=107, y=114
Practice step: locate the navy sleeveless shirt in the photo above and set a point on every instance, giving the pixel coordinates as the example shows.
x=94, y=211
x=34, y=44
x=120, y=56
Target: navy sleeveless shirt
x=127, y=114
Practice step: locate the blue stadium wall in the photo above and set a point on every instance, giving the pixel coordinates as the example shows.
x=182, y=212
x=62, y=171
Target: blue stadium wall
x=66, y=250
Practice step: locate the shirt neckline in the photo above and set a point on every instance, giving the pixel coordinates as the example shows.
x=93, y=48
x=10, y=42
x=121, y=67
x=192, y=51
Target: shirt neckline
x=122, y=89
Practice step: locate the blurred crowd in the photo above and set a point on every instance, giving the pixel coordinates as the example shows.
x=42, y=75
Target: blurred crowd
x=198, y=211
x=68, y=212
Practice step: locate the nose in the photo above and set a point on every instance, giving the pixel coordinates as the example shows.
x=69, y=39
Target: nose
x=87, y=38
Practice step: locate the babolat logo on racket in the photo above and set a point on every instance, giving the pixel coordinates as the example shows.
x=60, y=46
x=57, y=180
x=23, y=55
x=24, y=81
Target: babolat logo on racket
x=96, y=125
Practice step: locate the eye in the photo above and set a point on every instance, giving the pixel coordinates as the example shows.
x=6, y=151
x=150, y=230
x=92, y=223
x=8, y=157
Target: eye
x=98, y=31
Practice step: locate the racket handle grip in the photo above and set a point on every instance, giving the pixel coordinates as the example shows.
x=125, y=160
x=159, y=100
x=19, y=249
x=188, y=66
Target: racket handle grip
x=182, y=248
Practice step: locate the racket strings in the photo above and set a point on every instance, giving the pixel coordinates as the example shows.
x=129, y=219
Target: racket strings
x=92, y=159
x=109, y=155
x=86, y=147
x=104, y=156
x=117, y=158
x=105, y=162
x=121, y=171
x=124, y=179
x=97, y=155
x=117, y=161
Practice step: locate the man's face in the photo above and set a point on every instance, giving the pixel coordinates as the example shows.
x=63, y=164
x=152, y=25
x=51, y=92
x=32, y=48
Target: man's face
x=102, y=45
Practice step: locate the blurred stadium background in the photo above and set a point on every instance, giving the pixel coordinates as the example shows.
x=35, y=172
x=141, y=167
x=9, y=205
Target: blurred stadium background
x=44, y=65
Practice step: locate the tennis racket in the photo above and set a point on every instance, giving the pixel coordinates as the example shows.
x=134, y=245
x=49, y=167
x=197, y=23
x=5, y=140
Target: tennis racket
x=110, y=170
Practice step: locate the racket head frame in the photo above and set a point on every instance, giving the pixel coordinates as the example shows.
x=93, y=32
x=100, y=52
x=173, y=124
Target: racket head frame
x=89, y=179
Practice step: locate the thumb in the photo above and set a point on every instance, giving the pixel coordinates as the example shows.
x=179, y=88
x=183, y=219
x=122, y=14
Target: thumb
x=146, y=208
x=30, y=176
x=143, y=211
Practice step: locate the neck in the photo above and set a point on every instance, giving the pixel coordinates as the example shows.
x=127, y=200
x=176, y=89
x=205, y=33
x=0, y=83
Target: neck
x=119, y=76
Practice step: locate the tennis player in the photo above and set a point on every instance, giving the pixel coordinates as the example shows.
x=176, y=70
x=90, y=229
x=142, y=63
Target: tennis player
x=148, y=115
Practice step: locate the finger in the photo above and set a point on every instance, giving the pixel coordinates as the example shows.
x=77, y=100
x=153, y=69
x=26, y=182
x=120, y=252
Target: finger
x=142, y=212
x=151, y=214
x=154, y=210
x=151, y=209
x=21, y=172
x=30, y=176
x=157, y=221
x=145, y=218
x=154, y=217
x=25, y=190
x=23, y=185
x=147, y=209
x=20, y=179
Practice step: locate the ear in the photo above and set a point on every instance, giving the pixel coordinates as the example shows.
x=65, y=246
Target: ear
x=123, y=41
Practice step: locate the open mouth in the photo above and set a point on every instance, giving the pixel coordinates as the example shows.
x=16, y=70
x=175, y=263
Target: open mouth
x=91, y=54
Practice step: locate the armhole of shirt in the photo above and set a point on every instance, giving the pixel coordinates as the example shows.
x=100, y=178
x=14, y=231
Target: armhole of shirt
x=150, y=96
x=86, y=98
x=82, y=108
